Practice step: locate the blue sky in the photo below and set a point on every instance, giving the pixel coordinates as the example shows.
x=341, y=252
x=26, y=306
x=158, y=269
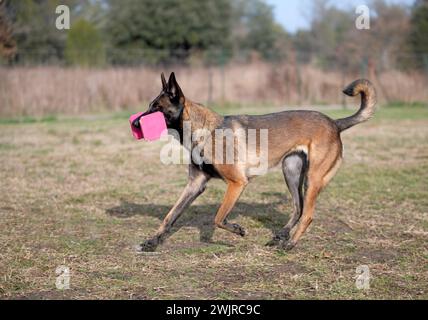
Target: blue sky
x=295, y=14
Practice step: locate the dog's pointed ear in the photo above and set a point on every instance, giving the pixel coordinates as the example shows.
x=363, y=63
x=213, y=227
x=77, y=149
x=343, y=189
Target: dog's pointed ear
x=164, y=84
x=175, y=89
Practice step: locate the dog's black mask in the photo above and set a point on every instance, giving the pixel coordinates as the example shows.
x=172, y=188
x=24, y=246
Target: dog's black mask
x=170, y=102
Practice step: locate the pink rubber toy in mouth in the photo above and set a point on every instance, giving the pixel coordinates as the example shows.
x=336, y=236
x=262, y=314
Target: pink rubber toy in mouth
x=151, y=126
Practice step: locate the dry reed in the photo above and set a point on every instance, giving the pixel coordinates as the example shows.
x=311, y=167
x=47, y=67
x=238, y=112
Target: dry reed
x=37, y=91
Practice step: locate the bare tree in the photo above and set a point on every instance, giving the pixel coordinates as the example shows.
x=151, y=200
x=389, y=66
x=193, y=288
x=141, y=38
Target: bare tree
x=7, y=43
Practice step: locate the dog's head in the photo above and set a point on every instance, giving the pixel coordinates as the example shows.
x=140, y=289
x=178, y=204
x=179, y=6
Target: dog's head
x=170, y=101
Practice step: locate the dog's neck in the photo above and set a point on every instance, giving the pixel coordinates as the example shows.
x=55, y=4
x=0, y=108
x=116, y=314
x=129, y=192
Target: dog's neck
x=200, y=117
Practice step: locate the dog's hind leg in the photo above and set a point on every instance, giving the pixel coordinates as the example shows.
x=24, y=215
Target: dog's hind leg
x=294, y=168
x=234, y=190
x=321, y=170
x=195, y=187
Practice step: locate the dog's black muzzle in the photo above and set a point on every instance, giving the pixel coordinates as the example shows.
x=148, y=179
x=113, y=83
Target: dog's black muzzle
x=136, y=122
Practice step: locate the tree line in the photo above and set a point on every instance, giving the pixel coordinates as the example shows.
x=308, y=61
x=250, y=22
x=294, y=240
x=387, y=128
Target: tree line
x=152, y=32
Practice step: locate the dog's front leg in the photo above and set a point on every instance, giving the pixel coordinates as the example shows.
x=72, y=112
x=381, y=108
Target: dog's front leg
x=195, y=187
x=234, y=190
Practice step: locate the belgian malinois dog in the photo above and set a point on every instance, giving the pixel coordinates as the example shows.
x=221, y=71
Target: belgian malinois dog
x=306, y=144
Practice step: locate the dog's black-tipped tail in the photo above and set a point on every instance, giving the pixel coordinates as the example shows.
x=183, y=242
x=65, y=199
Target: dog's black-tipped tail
x=368, y=101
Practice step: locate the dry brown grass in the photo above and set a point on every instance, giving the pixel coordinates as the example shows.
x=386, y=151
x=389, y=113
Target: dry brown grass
x=82, y=193
x=51, y=90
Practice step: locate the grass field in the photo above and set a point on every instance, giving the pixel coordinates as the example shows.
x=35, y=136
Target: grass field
x=81, y=192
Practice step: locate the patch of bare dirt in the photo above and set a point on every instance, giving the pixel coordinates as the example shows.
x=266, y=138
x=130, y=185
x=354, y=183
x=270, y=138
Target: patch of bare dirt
x=374, y=256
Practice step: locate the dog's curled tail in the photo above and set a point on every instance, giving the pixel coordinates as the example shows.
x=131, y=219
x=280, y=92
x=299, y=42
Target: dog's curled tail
x=368, y=101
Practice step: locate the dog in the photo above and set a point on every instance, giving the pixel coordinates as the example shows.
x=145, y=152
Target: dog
x=306, y=144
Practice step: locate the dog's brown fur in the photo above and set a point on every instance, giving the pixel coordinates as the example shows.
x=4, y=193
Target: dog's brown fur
x=306, y=143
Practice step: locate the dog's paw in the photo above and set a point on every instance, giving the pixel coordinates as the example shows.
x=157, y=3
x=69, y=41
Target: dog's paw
x=238, y=229
x=278, y=238
x=287, y=245
x=148, y=245
x=271, y=243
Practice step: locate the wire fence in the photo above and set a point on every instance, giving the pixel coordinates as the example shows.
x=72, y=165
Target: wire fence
x=39, y=82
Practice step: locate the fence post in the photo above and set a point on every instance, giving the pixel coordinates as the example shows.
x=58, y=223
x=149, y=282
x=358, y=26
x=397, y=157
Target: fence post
x=425, y=61
x=223, y=76
x=299, y=83
x=210, y=85
x=344, y=105
x=364, y=67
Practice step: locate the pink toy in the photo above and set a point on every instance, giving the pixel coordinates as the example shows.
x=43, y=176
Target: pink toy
x=151, y=126
x=138, y=134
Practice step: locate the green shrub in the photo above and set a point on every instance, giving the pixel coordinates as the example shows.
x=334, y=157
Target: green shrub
x=84, y=46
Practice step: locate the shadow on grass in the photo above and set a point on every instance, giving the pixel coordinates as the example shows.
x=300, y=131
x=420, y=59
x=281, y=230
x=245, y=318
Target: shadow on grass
x=202, y=216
